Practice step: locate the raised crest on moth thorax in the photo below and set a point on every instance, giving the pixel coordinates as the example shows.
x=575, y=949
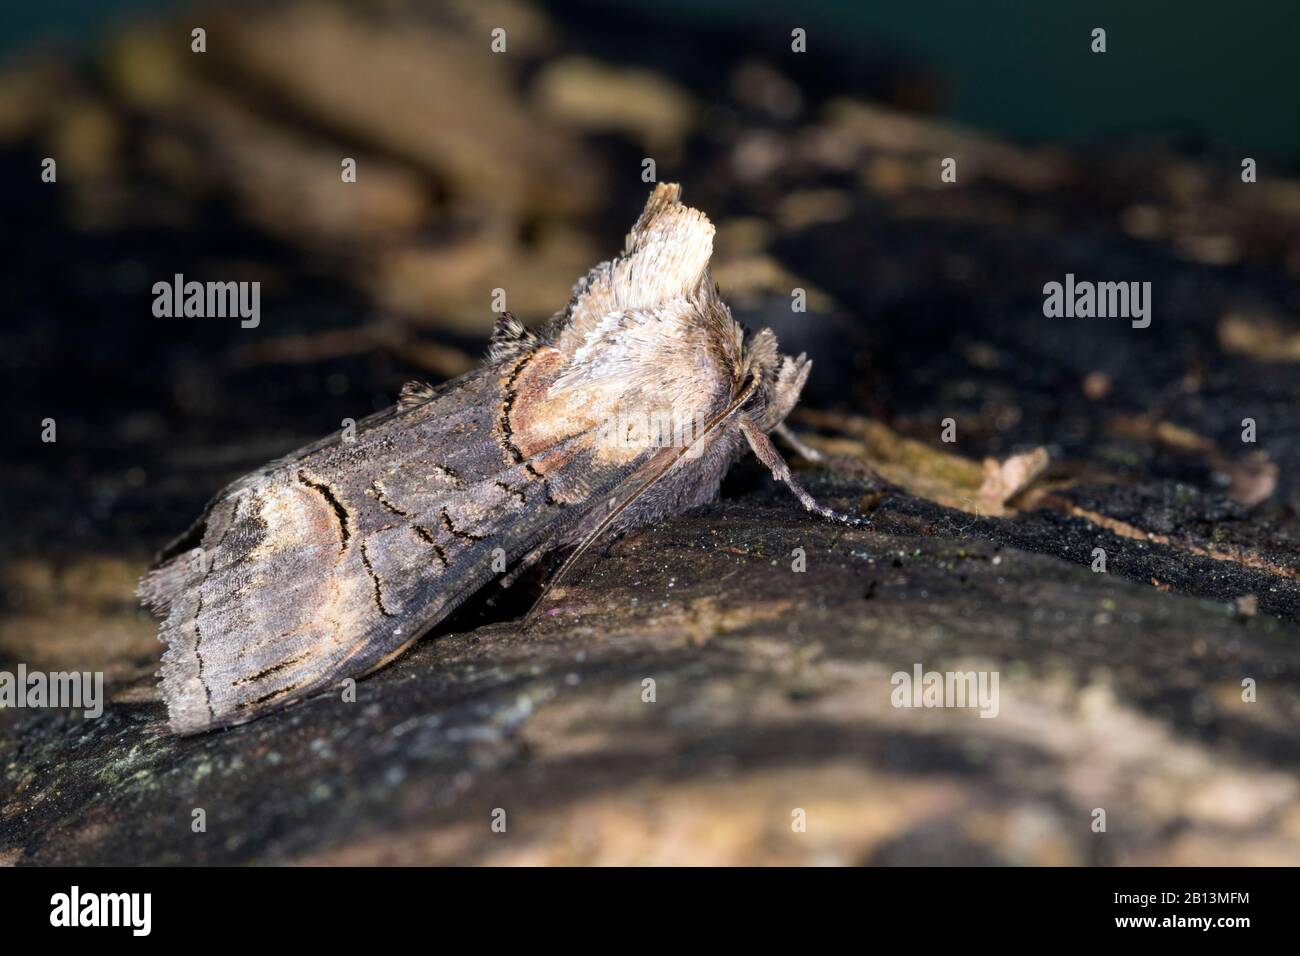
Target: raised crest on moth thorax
x=629, y=405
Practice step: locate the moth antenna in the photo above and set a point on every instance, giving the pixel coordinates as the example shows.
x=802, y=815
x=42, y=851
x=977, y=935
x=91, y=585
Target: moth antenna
x=656, y=473
x=768, y=455
x=802, y=448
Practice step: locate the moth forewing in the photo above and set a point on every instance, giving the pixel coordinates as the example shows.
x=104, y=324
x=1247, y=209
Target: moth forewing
x=332, y=562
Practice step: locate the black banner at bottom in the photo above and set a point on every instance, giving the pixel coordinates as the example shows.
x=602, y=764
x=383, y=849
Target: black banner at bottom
x=217, y=906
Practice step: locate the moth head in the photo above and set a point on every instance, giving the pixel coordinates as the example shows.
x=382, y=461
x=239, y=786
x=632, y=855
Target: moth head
x=779, y=379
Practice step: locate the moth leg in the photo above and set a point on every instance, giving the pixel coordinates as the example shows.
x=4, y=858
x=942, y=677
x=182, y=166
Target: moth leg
x=833, y=462
x=768, y=455
x=526, y=562
x=804, y=450
x=508, y=581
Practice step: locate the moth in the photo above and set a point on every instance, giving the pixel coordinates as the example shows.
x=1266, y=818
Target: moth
x=330, y=562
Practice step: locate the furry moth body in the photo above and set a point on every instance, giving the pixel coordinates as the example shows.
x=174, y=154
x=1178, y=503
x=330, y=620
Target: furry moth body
x=330, y=562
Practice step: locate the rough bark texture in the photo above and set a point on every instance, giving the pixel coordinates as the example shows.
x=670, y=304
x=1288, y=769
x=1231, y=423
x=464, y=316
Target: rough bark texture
x=1119, y=691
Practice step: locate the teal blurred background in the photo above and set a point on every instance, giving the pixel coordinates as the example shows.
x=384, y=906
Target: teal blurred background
x=1223, y=71
x=1227, y=71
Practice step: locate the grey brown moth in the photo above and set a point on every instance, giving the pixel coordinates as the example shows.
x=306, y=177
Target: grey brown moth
x=331, y=561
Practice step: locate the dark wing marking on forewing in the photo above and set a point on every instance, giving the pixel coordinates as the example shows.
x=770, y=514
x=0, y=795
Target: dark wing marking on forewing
x=425, y=535
x=379, y=588
x=323, y=489
x=379, y=495
x=504, y=429
x=519, y=495
x=269, y=670
x=448, y=475
x=456, y=532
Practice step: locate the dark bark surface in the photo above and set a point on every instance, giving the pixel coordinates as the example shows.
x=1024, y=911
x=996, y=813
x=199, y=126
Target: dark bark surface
x=1120, y=691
